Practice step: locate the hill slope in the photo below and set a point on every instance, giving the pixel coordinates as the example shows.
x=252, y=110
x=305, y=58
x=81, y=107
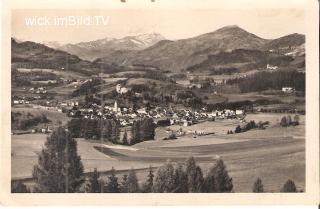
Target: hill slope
x=33, y=55
x=178, y=55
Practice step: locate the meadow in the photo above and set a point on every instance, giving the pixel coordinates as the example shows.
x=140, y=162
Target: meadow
x=274, y=154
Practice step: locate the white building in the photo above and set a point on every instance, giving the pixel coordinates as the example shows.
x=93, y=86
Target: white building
x=270, y=67
x=121, y=90
x=287, y=89
x=239, y=112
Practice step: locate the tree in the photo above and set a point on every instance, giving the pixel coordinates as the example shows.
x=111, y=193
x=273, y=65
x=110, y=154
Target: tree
x=19, y=187
x=147, y=130
x=289, y=187
x=164, y=181
x=289, y=120
x=133, y=186
x=209, y=185
x=125, y=138
x=296, y=119
x=258, y=186
x=222, y=180
x=124, y=184
x=238, y=129
x=135, y=130
x=283, y=122
x=94, y=182
x=180, y=180
x=59, y=167
x=147, y=186
x=112, y=185
x=195, y=177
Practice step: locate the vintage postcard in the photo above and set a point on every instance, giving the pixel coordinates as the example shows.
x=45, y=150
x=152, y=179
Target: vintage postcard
x=215, y=101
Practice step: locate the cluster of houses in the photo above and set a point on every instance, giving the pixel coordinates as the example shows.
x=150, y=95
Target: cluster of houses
x=270, y=67
x=127, y=115
x=39, y=90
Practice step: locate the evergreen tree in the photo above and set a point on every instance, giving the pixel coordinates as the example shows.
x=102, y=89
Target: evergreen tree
x=112, y=185
x=115, y=132
x=289, y=120
x=147, y=130
x=238, y=129
x=258, y=186
x=133, y=186
x=59, y=166
x=124, y=184
x=223, y=183
x=209, y=185
x=19, y=187
x=296, y=119
x=125, y=138
x=195, y=177
x=147, y=186
x=199, y=180
x=94, y=182
x=164, y=181
x=283, y=122
x=135, y=130
x=289, y=187
x=180, y=180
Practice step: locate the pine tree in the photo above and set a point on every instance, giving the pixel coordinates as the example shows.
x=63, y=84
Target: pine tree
x=209, y=185
x=164, y=181
x=199, y=180
x=147, y=130
x=222, y=180
x=59, y=167
x=296, y=119
x=94, y=182
x=195, y=177
x=283, y=122
x=258, y=186
x=289, y=120
x=133, y=186
x=115, y=132
x=289, y=187
x=124, y=184
x=135, y=130
x=147, y=186
x=112, y=185
x=19, y=187
x=125, y=138
x=180, y=180
x=238, y=129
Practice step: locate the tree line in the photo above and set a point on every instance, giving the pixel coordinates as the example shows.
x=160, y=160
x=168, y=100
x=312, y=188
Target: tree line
x=24, y=121
x=109, y=130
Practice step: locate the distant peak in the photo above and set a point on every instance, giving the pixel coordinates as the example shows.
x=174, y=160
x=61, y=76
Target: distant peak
x=231, y=26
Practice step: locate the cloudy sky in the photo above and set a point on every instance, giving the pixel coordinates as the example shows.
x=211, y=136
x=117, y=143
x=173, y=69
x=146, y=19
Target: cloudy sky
x=173, y=24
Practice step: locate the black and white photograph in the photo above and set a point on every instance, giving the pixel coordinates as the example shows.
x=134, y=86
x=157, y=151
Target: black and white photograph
x=159, y=100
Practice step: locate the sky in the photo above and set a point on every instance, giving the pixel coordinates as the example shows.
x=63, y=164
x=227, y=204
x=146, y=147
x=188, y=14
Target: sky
x=173, y=24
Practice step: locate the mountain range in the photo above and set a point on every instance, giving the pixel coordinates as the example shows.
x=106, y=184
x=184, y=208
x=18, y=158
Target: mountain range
x=178, y=55
x=229, y=46
x=95, y=49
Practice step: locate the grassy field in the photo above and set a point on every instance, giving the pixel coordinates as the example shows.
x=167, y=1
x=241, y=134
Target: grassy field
x=52, y=115
x=274, y=154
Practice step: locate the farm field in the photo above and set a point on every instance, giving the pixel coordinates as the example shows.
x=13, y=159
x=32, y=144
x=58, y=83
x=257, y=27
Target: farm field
x=274, y=154
x=52, y=115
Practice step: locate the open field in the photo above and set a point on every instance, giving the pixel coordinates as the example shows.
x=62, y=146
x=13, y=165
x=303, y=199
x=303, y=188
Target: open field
x=274, y=154
x=52, y=115
x=63, y=73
